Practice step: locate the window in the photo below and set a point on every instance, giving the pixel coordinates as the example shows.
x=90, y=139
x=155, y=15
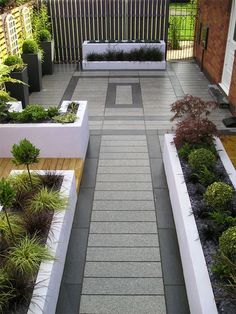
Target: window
x=27, y=22
x=12, y=35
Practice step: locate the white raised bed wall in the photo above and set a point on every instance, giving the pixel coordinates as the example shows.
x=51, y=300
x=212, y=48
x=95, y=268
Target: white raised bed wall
x=46, y=291
x=121, y=65
x=198, y=285
x=55, y=140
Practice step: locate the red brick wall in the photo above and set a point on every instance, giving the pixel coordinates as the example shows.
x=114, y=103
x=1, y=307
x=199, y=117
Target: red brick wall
x=215, y=14
x=232, y=91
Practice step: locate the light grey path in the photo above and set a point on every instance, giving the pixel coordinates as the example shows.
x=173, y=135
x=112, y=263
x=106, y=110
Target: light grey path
x=123, y=272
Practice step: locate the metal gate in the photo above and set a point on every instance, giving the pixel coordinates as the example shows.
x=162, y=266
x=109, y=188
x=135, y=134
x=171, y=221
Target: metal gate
x=182, y=22
x=74, y=21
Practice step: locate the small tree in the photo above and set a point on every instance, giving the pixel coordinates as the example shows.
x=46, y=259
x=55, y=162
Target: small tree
x=25, y=153
x=7, y=196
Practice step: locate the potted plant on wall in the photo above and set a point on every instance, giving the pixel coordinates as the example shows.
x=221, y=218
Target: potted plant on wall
x=47, y=45
x=31, y=56
x=19, y=72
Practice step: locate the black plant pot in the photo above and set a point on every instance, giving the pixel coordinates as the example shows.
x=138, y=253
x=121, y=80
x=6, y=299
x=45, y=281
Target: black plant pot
x=19, y=91
x=48, y=56
x=34, y=67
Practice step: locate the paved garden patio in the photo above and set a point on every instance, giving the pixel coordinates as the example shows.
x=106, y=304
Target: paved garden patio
x=123, y=255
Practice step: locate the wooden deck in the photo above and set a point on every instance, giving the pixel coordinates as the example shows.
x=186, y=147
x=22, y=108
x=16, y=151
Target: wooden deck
x=76, y=164
x=229, y=142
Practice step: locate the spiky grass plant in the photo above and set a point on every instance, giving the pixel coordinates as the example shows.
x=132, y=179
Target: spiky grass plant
x=6, y=290
x=21, y=181
x=24, y=259
x=51, y=180
x=46, y=199
x=16, y=227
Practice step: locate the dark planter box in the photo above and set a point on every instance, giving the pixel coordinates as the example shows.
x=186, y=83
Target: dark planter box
x=19, y=91
x=48, y=56
x=34, y=67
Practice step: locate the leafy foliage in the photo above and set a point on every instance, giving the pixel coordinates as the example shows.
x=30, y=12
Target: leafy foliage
x=21, y=181
x=32, y=113
x=6, y=290
x=44, y=35
x=73, y=107
x=195, y=132
x=192, y=107
x=52, y=112
x=15, y=62
x=201, y=158
x=218, y=195
x=25, y=153
x=7, y=193
x=30, y=46
x=227, y=243
x=5, y=233
x=142, y=54
x=65, y=118
x=40, y=21
x=206, y=177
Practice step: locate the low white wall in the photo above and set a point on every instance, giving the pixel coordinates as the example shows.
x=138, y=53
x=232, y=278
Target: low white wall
x=88, y=48
x=46, y=291
x=198, y=285
x=55, y=140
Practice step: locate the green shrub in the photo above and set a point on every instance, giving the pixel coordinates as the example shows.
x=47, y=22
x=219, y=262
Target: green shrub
x=47, y=200
x=223, y=219
x=16, y=227
x=44, y=35
x=200, y=158
x=218, y=195
x=30, y=46
x=227, y=243
x=24, y=258
x=32, y=113
x=21, y=181
x=4, y=113
x=52, y=112
x=15, y=62
x=206, y=177
x=6, y=290
x=65, y=118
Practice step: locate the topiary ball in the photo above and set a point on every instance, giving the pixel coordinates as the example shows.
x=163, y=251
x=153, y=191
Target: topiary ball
x=227, y=243
x=218, y=194
x=14, y=61
x=44, y=35
x=30, y=46
x=200, y=158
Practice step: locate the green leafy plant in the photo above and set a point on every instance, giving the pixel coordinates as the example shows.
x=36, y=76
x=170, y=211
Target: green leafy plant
x=32, y=113
x=30, y=46
x=44, y=35
x=206, y=177
x=227, y=243
x=65, y=118
x=201, y=158
x=174, y=37
x=4, y=113
x=6, y=290
x=40, y=21
x=25, y=153
x=48, y=200
x=218, y=195
x=7, y=195
x=223, y=219
x=73, y=107
x=15, y=62
x=52, y=112
x=25, y=257
x=21, y=181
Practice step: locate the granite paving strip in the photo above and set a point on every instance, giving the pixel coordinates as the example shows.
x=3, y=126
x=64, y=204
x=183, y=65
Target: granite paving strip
x=123, y=258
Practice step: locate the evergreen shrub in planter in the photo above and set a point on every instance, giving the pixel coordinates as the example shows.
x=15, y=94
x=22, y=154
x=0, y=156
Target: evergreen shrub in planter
x=46, y=43
x=202, y=182
x=31, y=56
x=19, y=72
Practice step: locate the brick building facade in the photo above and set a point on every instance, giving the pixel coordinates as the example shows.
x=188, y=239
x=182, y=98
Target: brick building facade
x=217, y=16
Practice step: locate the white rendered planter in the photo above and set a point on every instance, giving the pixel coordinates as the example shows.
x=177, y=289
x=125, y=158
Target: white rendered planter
x=46, y=291
x=198, y=285
x=121, y=65
x=54, y=140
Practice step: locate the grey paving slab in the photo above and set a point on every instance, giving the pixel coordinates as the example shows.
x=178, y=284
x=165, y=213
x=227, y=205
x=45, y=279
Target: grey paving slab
x=124, y=138
x=83, y=208
x=123, y=216
x=154, y=148
x=132, y=143
x=123, y=254
x=123, y=240
x=176, y=300
x=163, y=209
x=123, y=162
x=123, y=205
x=89, y=173
x=93, y=146
x=123, y=227
x=68, y=300
x=122, y=169
x=122, y=304
x=123, y=195
x=124, y=94
x=123, y=156
x=123, y=286
x=123, y=149
x=158, y=173
x=123, y=269
x=139, y=177
x=125, y=186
